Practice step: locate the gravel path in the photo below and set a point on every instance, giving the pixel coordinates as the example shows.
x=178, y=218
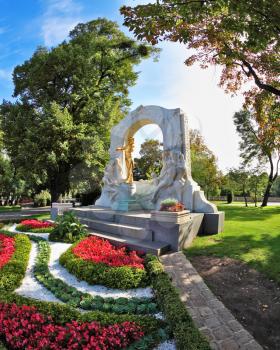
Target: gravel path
x=59, y=271
x=30, y=287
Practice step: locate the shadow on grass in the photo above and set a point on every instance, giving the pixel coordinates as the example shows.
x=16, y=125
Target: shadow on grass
x=239, y=213
x=261, y=252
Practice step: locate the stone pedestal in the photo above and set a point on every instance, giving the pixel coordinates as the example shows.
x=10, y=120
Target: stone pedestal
x=125, y=198
x=177, y=229
x=213, y=223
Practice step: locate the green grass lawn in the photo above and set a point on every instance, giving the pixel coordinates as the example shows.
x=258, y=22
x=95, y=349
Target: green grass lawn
x=250, y=234
x=10, y=208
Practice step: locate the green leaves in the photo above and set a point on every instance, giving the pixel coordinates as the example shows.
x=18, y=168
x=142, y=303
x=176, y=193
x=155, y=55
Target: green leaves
x=69, y=97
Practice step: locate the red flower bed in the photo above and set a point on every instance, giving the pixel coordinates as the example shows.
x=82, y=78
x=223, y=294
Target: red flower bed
x=102, y=251
x=33, y=223
x=7, y=248
x=23, y=327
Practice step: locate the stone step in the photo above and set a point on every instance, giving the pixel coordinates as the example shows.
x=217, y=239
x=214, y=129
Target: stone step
x=134, y=218
x=106, y=215
x=155, y=248
x=118, y=229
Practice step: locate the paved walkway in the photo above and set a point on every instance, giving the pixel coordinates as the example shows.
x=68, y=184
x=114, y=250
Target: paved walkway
x=14, y=215
x=212, y=318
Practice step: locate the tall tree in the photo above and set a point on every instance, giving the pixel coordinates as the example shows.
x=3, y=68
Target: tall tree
x=68, y=98
x=238, y=181
x=204, y=165
x=243, y=36
x=150, y=160
x=260, y=141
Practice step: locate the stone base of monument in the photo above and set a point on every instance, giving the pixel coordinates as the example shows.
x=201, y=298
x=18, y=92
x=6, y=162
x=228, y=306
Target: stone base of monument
x=213, y=223
x=155, y=232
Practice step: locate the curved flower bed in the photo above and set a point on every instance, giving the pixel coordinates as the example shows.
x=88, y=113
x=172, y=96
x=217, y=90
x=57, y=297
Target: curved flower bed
x=7, y=248
x=23, y=327
x=76, y=298
x=99, y=250
x=97, y=261
x=35, y=226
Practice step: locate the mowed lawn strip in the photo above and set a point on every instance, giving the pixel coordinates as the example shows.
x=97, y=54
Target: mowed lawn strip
x=250, y=234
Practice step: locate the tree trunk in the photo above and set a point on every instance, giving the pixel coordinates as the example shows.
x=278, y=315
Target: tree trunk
x=60, y=183
x=271, y=178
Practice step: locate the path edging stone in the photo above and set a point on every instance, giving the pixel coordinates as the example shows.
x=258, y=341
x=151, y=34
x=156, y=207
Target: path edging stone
x=209, y=314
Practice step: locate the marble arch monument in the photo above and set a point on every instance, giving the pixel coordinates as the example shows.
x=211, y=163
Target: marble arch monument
x=175, y=179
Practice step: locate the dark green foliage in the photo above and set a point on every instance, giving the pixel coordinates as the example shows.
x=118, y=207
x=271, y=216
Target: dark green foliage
x=73, y=297
x=13, y=272
x=68, y=229
x=67, y=100
x=122, y=277
x=23, y=228
x=63, y=313
x=186, y=334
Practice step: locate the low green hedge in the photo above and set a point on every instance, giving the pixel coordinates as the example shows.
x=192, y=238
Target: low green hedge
x=75, y=298
x=186, y=334
x=13, y=272
x=23, y=228
x=122, y=277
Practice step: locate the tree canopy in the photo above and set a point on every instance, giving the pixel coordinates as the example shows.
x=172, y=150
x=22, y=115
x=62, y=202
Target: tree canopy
x=204, y=165
x=68, y=98
x=260, y=141
x=243, y=36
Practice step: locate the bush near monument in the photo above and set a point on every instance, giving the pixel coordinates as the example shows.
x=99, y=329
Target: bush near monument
x=98, y=272
x=68, y=229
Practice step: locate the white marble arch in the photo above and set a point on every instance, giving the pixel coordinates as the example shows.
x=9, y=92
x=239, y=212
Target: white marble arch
x=178, y=183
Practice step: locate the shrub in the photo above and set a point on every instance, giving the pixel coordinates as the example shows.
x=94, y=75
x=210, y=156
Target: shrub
x=186, y=334
x=121, y=277
x=13, y=272
x=24, y=327
x=68, y=229
x=42, y=199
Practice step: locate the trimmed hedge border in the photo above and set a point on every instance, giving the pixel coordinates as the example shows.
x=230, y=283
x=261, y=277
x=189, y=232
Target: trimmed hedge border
x=23, y=228
x=122, y=277
x=73, y=297
x=13, y=272
x=186, y=334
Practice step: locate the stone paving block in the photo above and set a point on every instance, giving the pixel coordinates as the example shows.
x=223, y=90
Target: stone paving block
x=228, y=344
x=234, y=325
x=222, y=332
x=205, y=311
x=207, y=333
x=243, y=337
x=212, y=322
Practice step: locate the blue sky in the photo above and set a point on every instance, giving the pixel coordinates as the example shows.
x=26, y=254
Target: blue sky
x=27, y=24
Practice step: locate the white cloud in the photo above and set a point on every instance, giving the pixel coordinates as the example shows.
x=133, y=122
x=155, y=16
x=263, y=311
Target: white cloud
x=171, y=84
x=59, y=18
x=5, y=74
